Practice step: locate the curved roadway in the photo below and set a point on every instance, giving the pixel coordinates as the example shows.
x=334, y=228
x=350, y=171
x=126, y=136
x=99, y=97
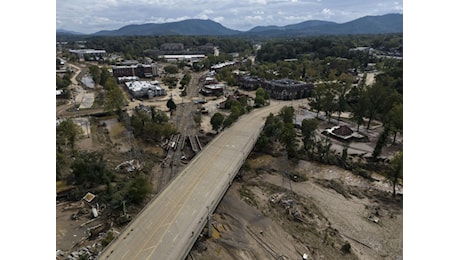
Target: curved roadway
x=169, y=225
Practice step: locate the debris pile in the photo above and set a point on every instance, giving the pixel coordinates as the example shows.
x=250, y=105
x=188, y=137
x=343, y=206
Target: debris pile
x=129, y=166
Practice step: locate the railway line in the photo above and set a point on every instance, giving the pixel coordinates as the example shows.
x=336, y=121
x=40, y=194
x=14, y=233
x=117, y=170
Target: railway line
x=264, y=244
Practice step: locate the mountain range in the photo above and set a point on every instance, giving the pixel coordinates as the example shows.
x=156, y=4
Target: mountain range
x=389, y=23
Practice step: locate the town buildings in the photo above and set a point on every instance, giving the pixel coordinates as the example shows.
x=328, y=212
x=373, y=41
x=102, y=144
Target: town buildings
x=89, y=54
x=281, y=89
x=138, y=70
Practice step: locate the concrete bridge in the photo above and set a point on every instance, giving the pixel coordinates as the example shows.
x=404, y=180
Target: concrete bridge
x=169, y=225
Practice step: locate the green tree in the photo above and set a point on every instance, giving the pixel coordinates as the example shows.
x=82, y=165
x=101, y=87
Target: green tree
x=67, y=132
x=381, y=141
x=138, y=189
x=244, y=104
x=216, y=121
x=273, y=126
x=287, y=114
x=110, y=83
x=171, y=69
x=228, y=121
x=158, y=116
x=89, y=169
x=395, y=173
x=105, y=75
x=329, y=102
x=323, y=148
x=288, y=139
x=358, y=106
x=62, y=161
x=63, y=82
x=263, y=143
x=396, y=120
x=170, y=104
x=170, y=81
x=316, y=99
x=343, y=87
x=115, y=100
x=151, y=126
x=381, y=99
x=309, y=127
x=260, y=97
x=185, y=80
x=236, y=108
x=95, y=73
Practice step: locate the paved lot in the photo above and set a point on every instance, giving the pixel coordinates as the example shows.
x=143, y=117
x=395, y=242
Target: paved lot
x=87, y=100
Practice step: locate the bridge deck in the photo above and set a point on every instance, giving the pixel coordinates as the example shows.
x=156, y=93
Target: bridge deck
x=169, y=225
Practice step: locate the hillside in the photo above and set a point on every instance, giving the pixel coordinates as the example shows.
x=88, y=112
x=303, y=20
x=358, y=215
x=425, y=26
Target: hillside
x=186, y=27
x=389, y=23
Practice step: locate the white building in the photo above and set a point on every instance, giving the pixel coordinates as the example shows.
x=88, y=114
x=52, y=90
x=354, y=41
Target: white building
x=90, y=53
x=187, y=58
x=145, y=88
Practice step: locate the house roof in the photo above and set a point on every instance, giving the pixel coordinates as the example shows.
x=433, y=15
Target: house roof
x=343, y=130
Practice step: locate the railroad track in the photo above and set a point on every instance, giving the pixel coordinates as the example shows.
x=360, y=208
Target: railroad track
x=264, y=245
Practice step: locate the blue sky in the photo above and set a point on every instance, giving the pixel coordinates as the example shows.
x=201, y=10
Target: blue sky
x=89, y=16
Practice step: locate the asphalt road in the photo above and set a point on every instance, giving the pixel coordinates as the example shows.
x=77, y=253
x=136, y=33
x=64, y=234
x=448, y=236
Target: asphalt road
x=169, y=225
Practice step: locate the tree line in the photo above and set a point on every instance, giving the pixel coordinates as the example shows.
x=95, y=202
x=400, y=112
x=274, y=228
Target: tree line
x=279, y=130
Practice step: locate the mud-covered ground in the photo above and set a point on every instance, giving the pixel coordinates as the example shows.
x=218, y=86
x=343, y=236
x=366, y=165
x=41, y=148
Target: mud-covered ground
x=327, y=213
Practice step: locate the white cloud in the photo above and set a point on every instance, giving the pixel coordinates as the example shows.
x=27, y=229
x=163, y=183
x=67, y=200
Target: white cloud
x=89, y=16
x=261, y=2
x=397, y=6
x=254, y=18
x=219, y=19
x=327, y=12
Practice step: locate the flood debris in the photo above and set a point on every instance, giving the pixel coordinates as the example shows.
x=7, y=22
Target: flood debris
x=129, y=166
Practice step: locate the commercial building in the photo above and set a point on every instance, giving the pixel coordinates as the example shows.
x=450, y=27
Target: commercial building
x=89, y=54
x=287, y=89
x=187, y=57
x=250, y=82
x=213, y=89
x=281, y=89
x=145, y=89
x=139, y=70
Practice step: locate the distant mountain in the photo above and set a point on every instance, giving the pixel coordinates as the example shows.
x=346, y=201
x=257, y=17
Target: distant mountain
x=293, y=27
x=62, y=31
x=186, y=27
x=389, y=23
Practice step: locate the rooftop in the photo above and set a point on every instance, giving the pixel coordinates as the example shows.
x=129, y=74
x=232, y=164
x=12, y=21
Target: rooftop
x=139, y=85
